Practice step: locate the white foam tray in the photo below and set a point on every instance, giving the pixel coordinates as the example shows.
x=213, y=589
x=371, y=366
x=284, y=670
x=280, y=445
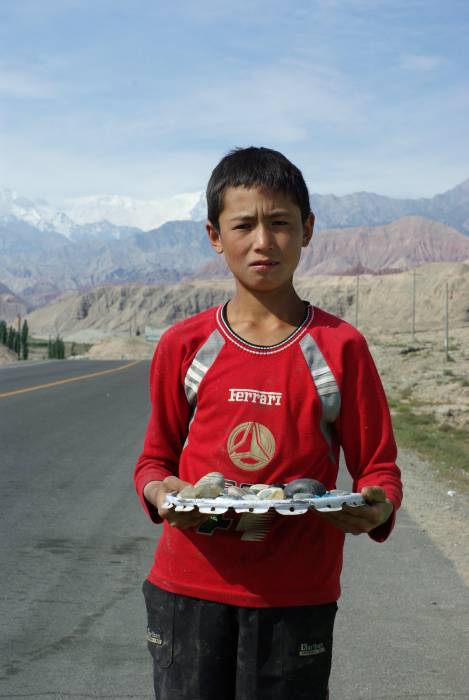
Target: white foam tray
x=331, y=501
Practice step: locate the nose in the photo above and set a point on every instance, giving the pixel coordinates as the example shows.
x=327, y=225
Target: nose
x=263, y=237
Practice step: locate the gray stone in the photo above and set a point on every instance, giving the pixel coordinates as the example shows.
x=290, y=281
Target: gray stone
x=255, y=488
x=210, y=485
x=272, y=493
x=309, y=486
x=237, y=492
x=188, y=492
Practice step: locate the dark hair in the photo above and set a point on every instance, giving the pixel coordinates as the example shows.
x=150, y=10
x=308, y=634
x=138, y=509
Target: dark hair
x=255, y=167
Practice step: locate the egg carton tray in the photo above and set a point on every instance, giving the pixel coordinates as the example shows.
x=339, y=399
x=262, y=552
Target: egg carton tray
x=330, y=501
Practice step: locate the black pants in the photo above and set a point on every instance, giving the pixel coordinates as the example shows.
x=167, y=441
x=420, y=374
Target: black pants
x=203, y=650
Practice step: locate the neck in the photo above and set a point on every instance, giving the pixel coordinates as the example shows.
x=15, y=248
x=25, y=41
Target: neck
x=284, y=304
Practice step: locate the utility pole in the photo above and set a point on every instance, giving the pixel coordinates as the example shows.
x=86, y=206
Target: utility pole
x=18, y=318
x=414, y=276
x=356, y=301
x=446, y=323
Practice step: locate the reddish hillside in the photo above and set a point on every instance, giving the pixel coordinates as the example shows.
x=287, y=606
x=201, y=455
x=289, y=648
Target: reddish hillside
x=10, y=304
x=401, y=245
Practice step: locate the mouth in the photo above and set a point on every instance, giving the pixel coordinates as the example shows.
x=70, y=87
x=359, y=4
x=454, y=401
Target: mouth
x=263, y=264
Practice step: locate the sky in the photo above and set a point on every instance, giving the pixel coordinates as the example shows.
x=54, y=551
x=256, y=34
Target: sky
x=143, y=97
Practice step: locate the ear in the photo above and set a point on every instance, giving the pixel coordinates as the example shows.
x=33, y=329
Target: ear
x=308, y=227
x=214, y=237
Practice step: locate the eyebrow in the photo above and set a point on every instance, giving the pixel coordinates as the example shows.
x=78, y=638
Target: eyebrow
x=248, y=217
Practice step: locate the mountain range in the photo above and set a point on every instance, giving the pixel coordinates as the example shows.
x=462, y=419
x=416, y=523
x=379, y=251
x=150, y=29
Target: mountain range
x=44, y=252
x=114, y=216
x=408, y=242
x=386, y=303
x=367, y=209
x=104, y=217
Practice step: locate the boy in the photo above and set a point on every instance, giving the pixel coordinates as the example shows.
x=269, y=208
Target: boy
x=265, y=389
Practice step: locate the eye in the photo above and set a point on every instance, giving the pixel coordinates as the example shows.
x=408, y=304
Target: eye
x=241, y=226
x=279, y=222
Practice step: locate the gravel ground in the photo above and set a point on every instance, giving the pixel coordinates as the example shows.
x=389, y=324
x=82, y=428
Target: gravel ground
x=419, y=371
x=441, y=515
x=430, y=383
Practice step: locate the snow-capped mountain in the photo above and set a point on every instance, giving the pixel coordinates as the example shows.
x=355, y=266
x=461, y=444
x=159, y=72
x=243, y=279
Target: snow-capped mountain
x=112, y=217
x=144, y=214
x=46, y=250
x=35, y=212
x=103, y=218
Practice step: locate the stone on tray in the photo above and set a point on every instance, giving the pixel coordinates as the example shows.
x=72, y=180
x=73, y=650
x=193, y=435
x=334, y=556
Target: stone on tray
x=248, y=494
x=272, y=493
x=237, y=492
x=207, y=490
x=309, y=486
x=210, y=485
x=188, y=492
x=213, y=478
x=255, y=488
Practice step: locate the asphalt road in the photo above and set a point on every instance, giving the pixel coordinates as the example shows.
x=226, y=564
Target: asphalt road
x=75, y=548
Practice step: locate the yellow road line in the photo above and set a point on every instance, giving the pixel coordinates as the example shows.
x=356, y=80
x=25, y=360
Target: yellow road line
x=67, y=381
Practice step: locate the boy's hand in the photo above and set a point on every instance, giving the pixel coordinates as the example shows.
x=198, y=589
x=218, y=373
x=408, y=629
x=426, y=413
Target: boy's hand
x=155, y=493
x=357, y=520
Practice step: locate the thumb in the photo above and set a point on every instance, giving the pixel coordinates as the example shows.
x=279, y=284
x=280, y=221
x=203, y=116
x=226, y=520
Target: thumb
x=373, y=494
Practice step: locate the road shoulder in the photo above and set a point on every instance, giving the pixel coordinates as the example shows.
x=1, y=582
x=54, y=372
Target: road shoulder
x=438, y=510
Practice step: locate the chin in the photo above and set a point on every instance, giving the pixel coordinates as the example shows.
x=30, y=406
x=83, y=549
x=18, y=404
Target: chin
x=263, y=285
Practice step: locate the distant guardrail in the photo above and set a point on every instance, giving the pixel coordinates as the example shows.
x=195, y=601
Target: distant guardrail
x=153, y=334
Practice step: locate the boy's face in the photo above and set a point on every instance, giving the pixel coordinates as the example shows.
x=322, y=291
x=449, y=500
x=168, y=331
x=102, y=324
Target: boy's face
x=261, y=235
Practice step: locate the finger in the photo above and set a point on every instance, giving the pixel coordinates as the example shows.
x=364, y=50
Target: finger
x=188, y=518
x=356, y=511
x=187, y=523
x=368, y=516
x=373, y=494
x=372, y=516
x=352, y=524
x=351, y=517
x=173, y=483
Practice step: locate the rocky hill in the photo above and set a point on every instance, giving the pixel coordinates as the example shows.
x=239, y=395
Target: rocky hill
x=43, y=253
x=30, y=258
x=365, y=208
x=385, y=303
x=112, y=216
x=10, y=304
x=401, y=245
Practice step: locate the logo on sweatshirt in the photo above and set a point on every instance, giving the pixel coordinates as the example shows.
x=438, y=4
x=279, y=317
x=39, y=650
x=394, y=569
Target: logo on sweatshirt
x=251, y=446
x=263, y=398
x=154, y=637
x=311, y=649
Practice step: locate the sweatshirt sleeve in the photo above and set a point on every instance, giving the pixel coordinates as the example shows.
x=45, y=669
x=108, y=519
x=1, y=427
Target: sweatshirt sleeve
x=168, y=424
x=365, y=430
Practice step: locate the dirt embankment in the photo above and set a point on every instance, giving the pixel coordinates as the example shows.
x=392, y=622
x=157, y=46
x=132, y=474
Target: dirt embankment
x=7, y=356
x=131, y=348
x=419, y=373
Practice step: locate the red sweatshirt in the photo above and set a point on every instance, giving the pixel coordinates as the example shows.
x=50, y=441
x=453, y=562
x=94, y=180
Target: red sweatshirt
x=263, y=415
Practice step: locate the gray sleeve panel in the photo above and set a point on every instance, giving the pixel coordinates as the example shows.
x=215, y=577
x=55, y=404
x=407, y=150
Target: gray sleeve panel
x=189, y=427
x=203, y=360
x=325, y=384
